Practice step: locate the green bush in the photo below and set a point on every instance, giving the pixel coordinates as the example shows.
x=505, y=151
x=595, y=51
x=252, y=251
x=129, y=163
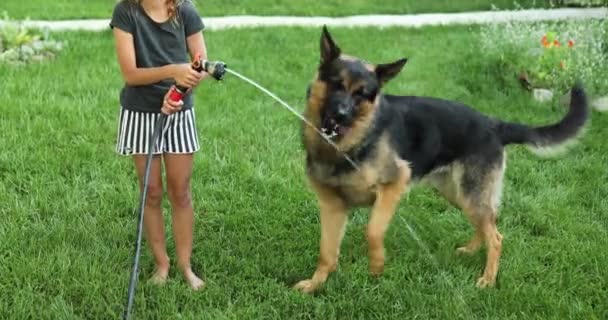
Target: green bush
x=549, y=55
x=20, y=44
x=584, y=3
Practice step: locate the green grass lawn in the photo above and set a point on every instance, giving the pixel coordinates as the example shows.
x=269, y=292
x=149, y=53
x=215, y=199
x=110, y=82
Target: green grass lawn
x=71, y=9
x=67, y=200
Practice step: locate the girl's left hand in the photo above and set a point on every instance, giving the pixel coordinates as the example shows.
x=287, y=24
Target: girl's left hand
x=204, y=75
x=170, y=107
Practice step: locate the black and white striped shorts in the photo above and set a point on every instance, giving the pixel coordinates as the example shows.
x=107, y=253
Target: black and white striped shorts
x=178, y=135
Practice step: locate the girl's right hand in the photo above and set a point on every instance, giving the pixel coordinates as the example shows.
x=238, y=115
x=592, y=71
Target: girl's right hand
x=185, y=76
x=170, y=107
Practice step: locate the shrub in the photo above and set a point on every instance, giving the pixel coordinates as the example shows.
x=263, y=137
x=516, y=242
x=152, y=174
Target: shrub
x=583, y=3
x=550, y=54
x=20, y=44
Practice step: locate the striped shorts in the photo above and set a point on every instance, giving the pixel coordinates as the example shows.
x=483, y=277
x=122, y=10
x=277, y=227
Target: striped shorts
x=135, y=129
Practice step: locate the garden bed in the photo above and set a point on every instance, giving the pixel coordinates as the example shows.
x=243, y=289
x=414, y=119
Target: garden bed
x=549, y=57
x=21, y=45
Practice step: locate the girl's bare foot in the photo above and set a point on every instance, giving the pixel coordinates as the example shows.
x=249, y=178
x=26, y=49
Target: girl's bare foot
x=193, y=280
x=160, y=274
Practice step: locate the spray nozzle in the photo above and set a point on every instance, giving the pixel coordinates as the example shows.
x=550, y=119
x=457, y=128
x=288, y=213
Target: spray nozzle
x=216, y=69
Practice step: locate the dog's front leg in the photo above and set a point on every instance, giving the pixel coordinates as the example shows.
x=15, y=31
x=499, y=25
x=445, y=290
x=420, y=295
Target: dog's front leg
x=387, y=200
x=333, y=223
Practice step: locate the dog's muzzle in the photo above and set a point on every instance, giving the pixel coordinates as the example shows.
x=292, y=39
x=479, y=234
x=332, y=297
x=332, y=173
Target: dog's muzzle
x=334, y=126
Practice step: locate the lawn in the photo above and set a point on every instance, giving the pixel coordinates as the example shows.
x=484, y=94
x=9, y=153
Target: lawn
x=73, y=9
x=67, y=201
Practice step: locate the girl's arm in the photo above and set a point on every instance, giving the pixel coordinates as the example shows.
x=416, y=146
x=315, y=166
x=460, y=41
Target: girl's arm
x=134, y=76
x=196, y=44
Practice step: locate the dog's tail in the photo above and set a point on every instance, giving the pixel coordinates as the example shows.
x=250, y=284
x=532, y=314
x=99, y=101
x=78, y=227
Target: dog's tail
x=555, y=138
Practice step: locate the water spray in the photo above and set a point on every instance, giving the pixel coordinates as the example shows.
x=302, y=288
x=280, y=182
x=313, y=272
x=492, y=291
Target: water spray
x=288, y=107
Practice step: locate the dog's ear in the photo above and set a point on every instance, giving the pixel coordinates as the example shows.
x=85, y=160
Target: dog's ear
x=385, y=72
x=329, y=49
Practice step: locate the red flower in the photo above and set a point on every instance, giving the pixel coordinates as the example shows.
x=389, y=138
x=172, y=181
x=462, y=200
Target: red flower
x=556, y=43
x=570, y=43
x=544, y=41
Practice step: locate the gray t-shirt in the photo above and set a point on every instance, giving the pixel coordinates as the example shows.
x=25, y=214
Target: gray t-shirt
x=156, y=45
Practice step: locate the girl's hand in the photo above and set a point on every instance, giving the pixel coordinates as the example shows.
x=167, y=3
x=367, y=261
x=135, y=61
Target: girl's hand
x=170, y=107
x=185, y=76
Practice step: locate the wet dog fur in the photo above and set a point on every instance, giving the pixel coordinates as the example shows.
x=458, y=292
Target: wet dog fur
x=397, y=141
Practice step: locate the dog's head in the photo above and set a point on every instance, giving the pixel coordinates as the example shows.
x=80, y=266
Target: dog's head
x=346, y=89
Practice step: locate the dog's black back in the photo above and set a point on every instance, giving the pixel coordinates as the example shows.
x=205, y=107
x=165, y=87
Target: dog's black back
x=431, y=132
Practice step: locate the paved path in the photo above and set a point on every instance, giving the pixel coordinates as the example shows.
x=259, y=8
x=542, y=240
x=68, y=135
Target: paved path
x=415, y=20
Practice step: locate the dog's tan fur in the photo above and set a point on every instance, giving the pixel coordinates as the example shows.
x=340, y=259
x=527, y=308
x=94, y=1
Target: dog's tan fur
x=373, y=184
x=481, y=209
x=312, y=113
x=380, y=183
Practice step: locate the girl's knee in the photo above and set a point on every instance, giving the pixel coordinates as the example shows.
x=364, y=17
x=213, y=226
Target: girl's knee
x=180, y=197
x=154, y=196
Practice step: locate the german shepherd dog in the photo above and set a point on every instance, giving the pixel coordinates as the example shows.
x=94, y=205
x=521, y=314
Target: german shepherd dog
x=397, y=141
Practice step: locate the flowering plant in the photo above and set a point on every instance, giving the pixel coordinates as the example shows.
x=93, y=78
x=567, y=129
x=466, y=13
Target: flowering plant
x=550, y=55
x=20, y=45
x=552, y=62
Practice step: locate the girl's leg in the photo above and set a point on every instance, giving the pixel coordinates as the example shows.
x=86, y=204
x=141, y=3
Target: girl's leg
x=179, y=171
x=153, y=217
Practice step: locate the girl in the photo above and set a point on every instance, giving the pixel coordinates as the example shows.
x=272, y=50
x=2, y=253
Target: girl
x=155, y=41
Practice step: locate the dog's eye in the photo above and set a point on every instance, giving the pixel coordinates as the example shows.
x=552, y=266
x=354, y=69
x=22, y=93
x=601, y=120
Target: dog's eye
x=361, y=92
x=365, y=93
x=338, y=85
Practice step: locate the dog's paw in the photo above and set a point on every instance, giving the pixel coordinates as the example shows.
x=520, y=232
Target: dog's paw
x=376, y=262
x=306, y=286
x=483, y=283
x=376, y=268
x=465, y=250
